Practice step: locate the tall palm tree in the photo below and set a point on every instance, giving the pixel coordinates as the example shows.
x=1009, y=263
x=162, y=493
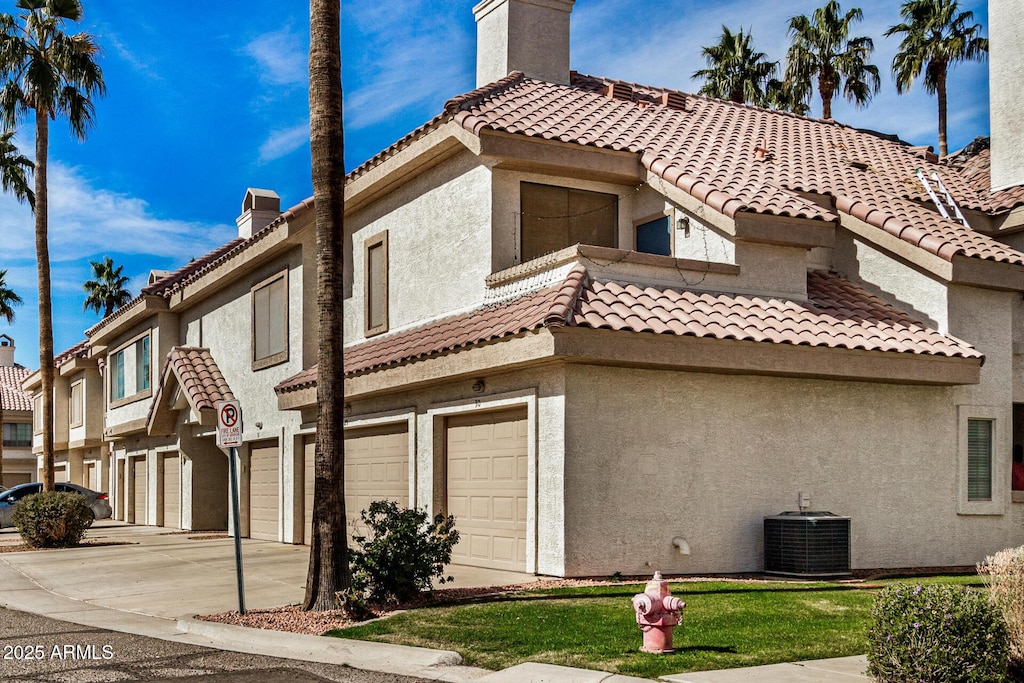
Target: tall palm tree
x=735, y=71
x=328, y=575
x=821, y=47
x=8, y=300
x=936, y=35
x=108, y=290
x=48, y=72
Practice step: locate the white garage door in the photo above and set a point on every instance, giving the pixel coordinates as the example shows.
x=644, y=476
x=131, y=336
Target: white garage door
x=263, y=491
x=171, y=475
x=60, y=473
x=139, y=493
x=376, y=468
x=91, y=476
x=487, y=477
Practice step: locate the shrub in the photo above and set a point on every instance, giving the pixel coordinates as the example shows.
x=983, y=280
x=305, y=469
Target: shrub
x=52, y=519
x=1003, y=573
x=936, y=634
x=402, y=552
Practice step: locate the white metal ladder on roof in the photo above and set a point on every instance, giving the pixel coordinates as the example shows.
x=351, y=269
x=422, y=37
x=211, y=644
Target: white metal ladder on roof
x=946, y=204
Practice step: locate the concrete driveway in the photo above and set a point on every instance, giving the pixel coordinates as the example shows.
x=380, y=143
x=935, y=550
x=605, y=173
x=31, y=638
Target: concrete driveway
x=157, y=572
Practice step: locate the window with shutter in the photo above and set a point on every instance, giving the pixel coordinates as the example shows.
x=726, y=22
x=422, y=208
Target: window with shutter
x=979, y=460
x=270, y=322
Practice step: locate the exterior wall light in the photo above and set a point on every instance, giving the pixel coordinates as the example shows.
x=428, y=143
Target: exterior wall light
x=478, y=386
x=683, y=225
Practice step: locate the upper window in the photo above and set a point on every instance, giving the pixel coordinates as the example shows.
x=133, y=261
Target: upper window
x=557, y=217
x=270, y=322
x=979, y=459
x=376, y=285
x=655, y=236
x=75, y=404
x=130, y=368
x=17, y=434
x=37, y=413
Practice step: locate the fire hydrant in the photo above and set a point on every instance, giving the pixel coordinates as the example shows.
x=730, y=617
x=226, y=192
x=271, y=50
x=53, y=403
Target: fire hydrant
x=657, y=613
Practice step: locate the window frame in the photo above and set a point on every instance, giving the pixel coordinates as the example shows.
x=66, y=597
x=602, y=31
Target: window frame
x=121, y=351
x=669, y=213
x=281, y=356
x=79, y=404
x=616, y=208
x=25, y=443
x=1000, y=460
x=37, y=414
x=379, y=240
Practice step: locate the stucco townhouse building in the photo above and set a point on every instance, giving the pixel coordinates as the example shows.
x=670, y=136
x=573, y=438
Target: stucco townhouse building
x=610, y=327
x=16, y=422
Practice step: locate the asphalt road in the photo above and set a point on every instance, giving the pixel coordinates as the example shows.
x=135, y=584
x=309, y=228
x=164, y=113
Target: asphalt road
x=35, y=648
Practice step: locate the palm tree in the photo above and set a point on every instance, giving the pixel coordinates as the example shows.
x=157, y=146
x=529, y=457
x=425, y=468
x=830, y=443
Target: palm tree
x=735, y=71
x=8, y=300
x=108, y=290
x=786, y=96
x=820, y=46
x=328, y=575
x=48, y=72
x=936, y=35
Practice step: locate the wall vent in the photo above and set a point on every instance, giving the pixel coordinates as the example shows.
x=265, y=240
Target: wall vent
x=807, y=544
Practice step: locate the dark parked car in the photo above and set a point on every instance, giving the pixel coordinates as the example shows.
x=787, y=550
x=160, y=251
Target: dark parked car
x=97, y=502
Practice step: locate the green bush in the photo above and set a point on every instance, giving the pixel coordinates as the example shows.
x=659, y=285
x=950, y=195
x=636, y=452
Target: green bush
x=52, y=519
x=936, y=634
x=1003, y=573
x=402, y=552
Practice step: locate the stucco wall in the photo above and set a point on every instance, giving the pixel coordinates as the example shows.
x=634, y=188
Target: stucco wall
x=652, y=454
x=438, y=245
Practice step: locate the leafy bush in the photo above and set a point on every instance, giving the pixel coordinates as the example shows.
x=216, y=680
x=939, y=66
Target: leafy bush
x=1004, y=575
x=936, y=634
x=52, y=519
x=402, y=552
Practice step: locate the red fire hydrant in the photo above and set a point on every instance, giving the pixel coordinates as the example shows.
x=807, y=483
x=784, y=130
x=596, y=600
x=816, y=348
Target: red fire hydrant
x=657, y=613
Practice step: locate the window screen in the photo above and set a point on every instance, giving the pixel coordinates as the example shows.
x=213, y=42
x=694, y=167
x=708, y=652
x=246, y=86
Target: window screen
x=142, y=364
x=979, y=460
x=655, y=237
x=376, y=287
x=117, y=376
x=76, y=404
x=268, y=320
x=557, y=217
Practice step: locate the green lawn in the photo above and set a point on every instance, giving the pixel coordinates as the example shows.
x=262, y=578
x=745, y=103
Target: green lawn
x=725, y=624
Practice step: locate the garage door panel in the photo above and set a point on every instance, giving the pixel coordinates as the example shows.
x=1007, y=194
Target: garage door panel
x=376, y=468
x=264, y=487
x=487, y=488
x=139, y=495
x=172, y=491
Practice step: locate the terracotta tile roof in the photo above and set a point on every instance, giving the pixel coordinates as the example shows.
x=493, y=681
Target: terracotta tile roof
x=974, y=162
x=735, y=158
x=79, y=350
x=199, y=376
x=838, y=314
x=11, y=396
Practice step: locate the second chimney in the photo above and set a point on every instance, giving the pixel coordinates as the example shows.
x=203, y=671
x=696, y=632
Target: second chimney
x=259, y=209
x=531, y=36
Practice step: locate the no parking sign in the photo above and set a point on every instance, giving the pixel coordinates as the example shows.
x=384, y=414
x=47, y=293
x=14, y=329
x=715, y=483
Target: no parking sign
x=229, y=424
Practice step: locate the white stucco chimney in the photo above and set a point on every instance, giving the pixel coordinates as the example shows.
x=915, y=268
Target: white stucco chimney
x=6, y=351
x=1006, y=77
x=259, y=209
x=531, y=36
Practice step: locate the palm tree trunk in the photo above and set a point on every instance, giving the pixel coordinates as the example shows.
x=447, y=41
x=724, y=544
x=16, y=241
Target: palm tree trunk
x=827, y=89
x=941, y=89
x=45, y=308
x=328, y=557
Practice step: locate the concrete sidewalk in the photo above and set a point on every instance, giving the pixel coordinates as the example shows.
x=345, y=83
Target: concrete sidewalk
x=152, y=583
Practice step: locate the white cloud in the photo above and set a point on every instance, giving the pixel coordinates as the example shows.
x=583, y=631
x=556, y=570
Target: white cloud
x=86, y=221
x=283, y=142
x=280, y=57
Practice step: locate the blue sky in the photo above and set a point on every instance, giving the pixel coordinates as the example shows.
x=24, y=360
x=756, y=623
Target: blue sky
x=204, y=102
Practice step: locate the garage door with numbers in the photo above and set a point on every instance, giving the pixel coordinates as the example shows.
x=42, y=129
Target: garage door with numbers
x=487, y=478
x=263, y=491
x=376, y=468
x=139, y=493
x=171, y=474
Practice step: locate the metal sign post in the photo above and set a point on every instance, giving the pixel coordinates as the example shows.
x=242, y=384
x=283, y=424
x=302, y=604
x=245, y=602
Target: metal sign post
x=229, y=434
